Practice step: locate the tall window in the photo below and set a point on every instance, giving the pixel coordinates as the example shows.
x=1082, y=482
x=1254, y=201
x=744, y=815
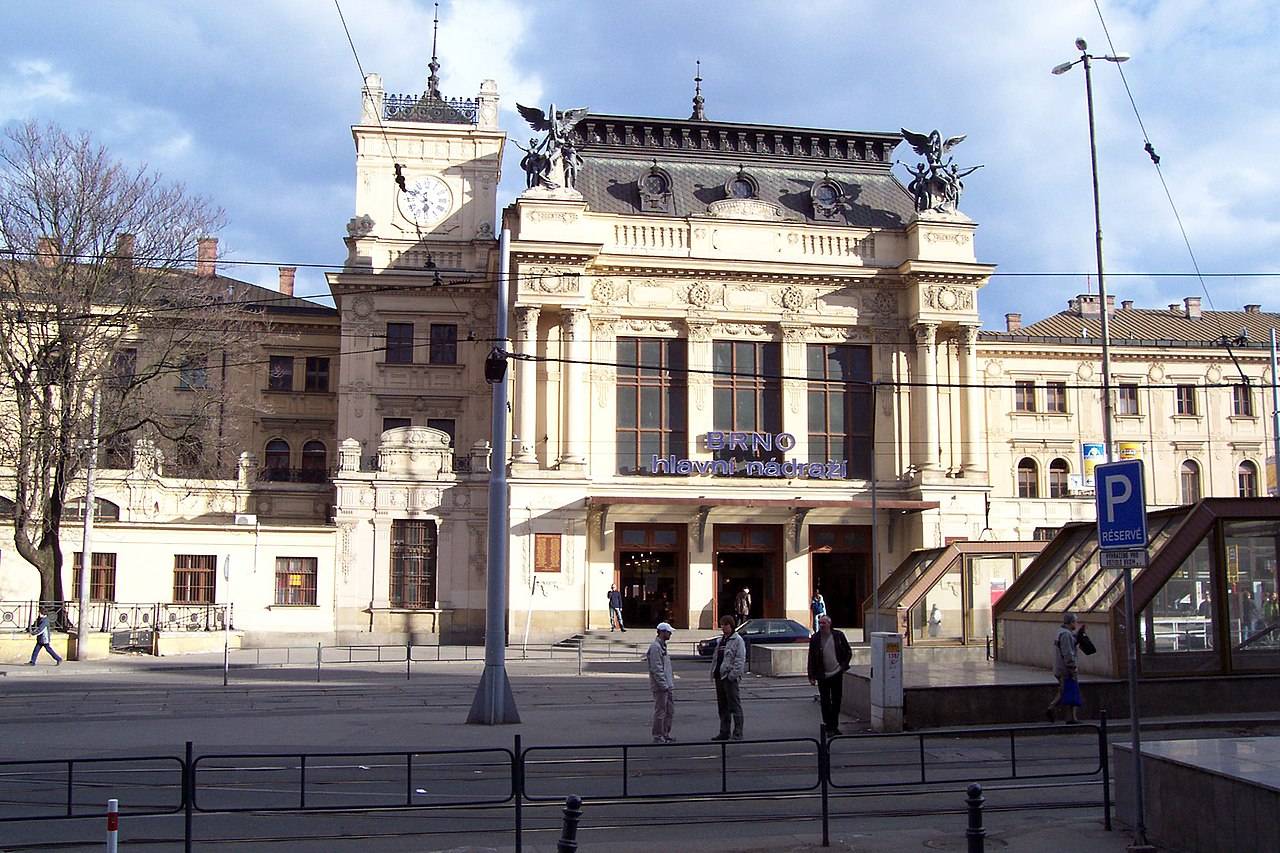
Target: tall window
x=444, y=344
x=124, y=368
x=395, y=423
x=1189, y=477
x=1247, y=480
x=193, y=374
x=295, y=581
x=280, y=373
x=840, y=406
x=1185, y=399
x=1242, y=401
x=1028, y=478
x=1127, y=398
x=102, y=576
x=315, y=462
x=277, y=459
x=317, y=379
x=1024, y=395
x=399, y=343
x=189, y=454
x=413, y=563
x=1058, y=478
x=747, y=393
x=194, y=578
x=653, y=412
x=1055, y=397
x=117, y=451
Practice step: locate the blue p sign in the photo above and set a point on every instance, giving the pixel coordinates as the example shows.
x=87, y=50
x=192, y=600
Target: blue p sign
x=1122, y=507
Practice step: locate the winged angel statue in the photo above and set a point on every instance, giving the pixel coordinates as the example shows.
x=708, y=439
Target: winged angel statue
x=553, y=161
x=935, y=184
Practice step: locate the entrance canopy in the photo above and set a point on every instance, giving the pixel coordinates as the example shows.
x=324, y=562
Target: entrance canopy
x=705, y=505
x=945, y=595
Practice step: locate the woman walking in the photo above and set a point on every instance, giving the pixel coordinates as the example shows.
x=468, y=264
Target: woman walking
x=1065, y=646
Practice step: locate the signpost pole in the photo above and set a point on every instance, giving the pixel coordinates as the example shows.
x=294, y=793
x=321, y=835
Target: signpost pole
x=1122, y=538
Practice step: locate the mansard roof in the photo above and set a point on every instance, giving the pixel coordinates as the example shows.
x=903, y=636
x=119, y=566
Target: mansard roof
x=1174, y=326
x=700, y=157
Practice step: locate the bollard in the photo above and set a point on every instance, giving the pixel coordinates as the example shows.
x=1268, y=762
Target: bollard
x=569, y=833
x=975, y=833
x=580, y=641
x=113, y=825
x=318, y=655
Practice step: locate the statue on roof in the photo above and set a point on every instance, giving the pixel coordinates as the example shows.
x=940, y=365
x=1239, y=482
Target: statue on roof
x=553, y=161
x=936, y=183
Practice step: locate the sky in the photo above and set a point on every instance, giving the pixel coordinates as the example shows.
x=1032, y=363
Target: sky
x=250, y=104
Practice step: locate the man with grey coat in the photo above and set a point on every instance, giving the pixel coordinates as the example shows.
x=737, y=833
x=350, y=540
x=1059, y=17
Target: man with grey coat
x=662, y=684
x=727, y=670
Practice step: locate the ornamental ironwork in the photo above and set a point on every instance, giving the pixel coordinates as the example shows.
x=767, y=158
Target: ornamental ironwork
x=429, y=107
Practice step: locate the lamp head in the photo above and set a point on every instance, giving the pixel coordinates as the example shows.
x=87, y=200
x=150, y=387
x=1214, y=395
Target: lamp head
x=1081, y=44
x=1063, y=68
x=1119, y=57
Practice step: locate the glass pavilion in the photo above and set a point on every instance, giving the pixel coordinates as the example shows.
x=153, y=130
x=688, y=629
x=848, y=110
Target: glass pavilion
x=1206, y=603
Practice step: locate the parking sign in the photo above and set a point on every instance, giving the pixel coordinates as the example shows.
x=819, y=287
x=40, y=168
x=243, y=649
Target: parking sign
x=1122, y=505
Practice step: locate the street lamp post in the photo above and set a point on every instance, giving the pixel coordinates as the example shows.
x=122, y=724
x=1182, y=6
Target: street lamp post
x=1086, y=59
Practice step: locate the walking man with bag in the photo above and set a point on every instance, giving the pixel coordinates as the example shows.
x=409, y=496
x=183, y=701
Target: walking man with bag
x=727, y=670
x=662, y=684
x=41, y=630
x=615, y=609
x=829, y=658
x=1066, y=671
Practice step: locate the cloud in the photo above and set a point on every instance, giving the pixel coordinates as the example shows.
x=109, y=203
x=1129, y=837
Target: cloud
x=29, y=86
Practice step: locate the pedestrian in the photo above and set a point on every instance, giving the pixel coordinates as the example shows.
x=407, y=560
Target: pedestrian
x=662, y=683
x=41, y=629
x=818, y=607
x=742, y=605
x=829, y=658
x=935, y=621
x=615, y=609
x=1066, y=671
x=727, y=671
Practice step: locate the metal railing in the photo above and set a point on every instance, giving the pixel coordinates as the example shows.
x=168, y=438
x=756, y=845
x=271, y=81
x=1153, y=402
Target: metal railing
x=497, y=777
x=110, y=616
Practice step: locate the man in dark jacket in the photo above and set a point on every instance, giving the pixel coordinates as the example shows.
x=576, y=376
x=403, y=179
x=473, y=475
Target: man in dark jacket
x=829, y=657
x=615, y=609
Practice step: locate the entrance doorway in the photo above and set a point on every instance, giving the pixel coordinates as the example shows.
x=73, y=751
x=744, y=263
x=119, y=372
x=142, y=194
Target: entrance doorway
x=749, y=557
x=649, y=570
x=840, y=560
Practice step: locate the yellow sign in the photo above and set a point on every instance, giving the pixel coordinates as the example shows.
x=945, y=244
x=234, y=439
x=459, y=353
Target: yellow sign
x=1129, y=449
x=295, y=580
x=1233, y=563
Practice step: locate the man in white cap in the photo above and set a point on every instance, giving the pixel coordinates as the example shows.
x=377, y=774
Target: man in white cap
x=662, y=682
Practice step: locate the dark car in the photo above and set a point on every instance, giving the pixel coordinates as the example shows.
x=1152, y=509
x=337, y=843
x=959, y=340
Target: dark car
x=761, y=631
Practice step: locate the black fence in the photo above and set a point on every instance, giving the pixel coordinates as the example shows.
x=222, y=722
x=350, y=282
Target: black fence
x=495, y=777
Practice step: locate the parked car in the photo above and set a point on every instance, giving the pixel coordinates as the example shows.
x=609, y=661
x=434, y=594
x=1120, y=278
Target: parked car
x=761, y=631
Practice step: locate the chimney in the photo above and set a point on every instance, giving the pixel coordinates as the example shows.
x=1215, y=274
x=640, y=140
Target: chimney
x=1089, y=305
x=48, y=252
x=1192, y=304
x=1175, y=308
x=1012, y=322
x=124, y=252
x=1126, y=304
x=207, y=257
x=1253, y=309
x=286, y=280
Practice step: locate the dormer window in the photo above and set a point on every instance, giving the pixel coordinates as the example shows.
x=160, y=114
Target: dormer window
x=654, y=186
x=827, y=196
x=742, y=185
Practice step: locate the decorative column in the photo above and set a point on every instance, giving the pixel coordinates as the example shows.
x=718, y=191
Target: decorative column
x=699, y=390
x=573, y=331
x=795, y=412
x=973, y=451
x=526, y=452
x=926, y=411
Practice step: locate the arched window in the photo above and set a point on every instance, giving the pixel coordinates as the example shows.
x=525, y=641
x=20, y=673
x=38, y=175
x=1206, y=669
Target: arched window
x=277, y=461
x=1190, y=479
x=1028, y=478
x=1247, y=480
x=1058, y=471
x=315, y=462
x=7, y=508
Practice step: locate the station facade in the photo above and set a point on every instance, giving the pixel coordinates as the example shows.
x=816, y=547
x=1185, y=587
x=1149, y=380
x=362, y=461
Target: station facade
x=741, y=360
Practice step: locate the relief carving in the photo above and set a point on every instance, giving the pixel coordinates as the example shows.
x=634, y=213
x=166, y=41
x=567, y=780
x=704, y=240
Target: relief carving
x=604, y=291
x=742, y=330
x=880, y=303
x=947, y=298
x=699, y=294
x=566, y=216
x=792, y=298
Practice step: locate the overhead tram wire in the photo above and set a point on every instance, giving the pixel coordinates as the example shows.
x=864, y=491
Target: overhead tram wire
x=1224, y=339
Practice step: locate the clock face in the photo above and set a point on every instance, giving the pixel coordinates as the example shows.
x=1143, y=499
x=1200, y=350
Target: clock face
x=428, y=200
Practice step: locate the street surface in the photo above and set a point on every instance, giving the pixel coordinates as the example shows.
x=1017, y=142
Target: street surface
x=72, y=712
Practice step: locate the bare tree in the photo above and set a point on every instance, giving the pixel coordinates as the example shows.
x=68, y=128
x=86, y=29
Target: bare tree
x=98, y=296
